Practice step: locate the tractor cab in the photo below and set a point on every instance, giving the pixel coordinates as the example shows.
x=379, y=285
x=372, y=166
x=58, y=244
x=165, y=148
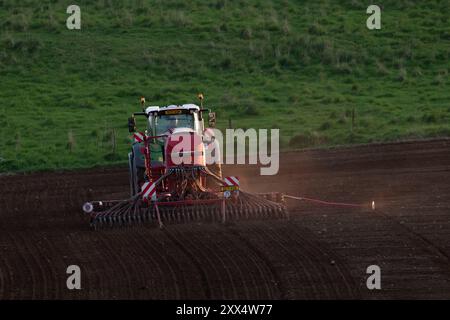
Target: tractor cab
x=163, y=120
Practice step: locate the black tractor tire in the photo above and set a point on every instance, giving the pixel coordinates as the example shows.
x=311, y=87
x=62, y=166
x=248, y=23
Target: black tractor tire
x=136, y=172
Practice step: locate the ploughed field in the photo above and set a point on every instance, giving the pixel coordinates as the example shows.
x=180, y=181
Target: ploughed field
x=322, y=252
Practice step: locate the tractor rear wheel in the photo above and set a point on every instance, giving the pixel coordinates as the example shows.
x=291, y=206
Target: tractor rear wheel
x=136, y=174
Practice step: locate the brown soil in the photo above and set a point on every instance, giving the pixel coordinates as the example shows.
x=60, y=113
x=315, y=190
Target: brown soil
x=320, y=253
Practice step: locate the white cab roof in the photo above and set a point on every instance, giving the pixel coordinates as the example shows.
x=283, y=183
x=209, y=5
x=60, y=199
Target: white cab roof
x=172, y=107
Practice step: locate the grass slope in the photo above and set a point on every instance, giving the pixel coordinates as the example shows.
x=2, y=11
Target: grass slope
x=301, y=66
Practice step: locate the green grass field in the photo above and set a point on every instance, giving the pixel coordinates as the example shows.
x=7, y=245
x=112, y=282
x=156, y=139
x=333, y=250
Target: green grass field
x=301, y=66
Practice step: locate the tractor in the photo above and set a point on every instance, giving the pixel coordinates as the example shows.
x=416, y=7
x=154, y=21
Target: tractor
x=175, y=175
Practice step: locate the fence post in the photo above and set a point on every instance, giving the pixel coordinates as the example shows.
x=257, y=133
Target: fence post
x=353, y=118
x=113, y=140
x=70, y=141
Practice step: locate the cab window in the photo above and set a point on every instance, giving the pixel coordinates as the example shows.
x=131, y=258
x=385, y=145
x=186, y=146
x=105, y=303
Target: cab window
x=164, y=123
